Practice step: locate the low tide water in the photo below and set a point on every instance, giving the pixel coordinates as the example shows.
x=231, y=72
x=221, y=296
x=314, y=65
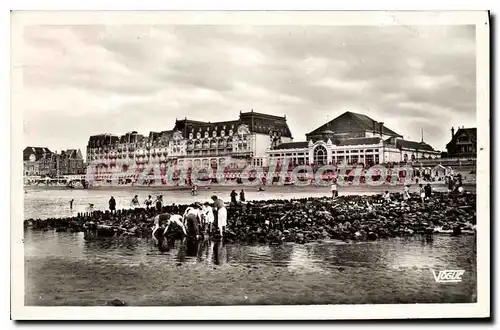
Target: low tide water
x=59, y=265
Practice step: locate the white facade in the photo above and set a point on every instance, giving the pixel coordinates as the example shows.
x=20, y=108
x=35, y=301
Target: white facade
x=321, y=152
x=200, y=149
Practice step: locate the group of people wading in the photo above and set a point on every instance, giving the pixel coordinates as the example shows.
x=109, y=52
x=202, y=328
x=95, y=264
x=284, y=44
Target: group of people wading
x=196, y=222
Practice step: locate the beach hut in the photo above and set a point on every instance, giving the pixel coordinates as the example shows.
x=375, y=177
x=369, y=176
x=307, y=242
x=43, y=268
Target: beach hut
x=439, y=171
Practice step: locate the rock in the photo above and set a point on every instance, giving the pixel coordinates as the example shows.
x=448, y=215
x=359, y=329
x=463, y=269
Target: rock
x=117, y=302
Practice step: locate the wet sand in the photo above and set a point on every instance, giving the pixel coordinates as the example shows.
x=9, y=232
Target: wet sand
x=74, y=283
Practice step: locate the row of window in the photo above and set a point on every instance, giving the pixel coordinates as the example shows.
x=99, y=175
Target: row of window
x=132, y=147
x=206, y=134
x=366, y=151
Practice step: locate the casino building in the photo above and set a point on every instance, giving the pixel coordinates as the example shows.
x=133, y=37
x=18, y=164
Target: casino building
x=193, y=143
x=351, y=138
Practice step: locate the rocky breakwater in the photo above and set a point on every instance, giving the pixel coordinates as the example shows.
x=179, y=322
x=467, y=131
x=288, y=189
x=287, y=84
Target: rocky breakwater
x=301, y=220
x=353, y=218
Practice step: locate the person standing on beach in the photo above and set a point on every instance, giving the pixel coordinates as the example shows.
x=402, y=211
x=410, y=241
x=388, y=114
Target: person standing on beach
x=71, y=204
x=159, y=203
x=148, y=202
x=208, y=217
x=221, y=214
x=451, y=184
x=428, y=191
x=242, y=196
x=333, y=188
x=406, y=193
x=112, y=204
x=233, y=197
x=422, y=193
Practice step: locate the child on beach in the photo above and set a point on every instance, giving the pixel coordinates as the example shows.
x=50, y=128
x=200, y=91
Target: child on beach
x=387, y=197
x=135, y=202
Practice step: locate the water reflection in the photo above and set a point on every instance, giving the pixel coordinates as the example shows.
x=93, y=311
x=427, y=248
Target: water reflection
x=443, y=253
x=220, y=253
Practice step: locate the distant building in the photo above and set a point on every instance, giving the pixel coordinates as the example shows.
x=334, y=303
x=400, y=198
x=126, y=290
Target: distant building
x=36, y=161
x=463, y=143
x=71, y=162
x=352, y=138
x=40, y=161
x=193, y=143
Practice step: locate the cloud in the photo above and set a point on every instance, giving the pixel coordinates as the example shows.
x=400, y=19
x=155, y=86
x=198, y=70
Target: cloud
x=83, y=80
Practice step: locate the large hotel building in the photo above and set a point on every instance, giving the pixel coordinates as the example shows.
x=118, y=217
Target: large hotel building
x=257, y=139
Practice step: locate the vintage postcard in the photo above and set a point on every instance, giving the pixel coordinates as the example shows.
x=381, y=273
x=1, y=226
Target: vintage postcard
x=250, y=165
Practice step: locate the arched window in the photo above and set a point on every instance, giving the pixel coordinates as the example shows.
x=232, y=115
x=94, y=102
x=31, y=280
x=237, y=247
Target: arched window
x=320, y=155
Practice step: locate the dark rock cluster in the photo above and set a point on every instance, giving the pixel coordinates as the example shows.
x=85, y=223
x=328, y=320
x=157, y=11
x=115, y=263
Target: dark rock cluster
x=300, y=220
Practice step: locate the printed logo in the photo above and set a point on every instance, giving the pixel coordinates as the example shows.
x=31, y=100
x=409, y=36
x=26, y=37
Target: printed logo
x=448, y=276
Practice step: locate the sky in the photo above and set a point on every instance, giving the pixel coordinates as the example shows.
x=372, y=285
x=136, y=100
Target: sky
x=85, y=80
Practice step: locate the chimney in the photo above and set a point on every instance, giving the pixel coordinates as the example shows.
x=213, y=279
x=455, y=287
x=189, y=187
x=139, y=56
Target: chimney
x=381, y=128
x=452, y=132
